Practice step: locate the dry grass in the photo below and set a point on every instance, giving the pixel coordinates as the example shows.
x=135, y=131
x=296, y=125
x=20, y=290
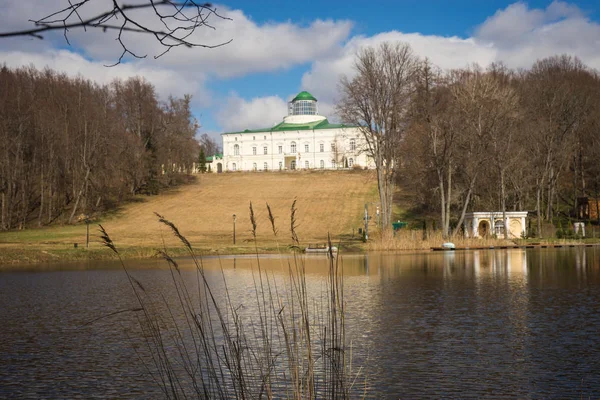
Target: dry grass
x=327, y=201
x=416, y=240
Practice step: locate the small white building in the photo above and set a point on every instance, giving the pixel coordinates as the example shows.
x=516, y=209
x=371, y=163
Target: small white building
x=304, y=140
x=483, y=224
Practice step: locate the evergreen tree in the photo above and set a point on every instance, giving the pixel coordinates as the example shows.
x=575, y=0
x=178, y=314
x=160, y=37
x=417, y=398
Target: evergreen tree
x=202, y=161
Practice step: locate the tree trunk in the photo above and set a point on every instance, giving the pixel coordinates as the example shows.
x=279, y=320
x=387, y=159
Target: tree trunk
x=538, y=209
x=442, y=199
x=79, y=194
x=597, y=204
x=446, y=230
x=503, y=204
x=3, y=212
x=464, y=208
x=40, y=213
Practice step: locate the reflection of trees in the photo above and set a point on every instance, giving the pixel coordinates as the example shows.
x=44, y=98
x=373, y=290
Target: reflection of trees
x=555, y=267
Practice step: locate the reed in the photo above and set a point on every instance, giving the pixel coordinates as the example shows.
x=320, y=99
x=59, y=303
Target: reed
x=420, y=240
x=204, y=345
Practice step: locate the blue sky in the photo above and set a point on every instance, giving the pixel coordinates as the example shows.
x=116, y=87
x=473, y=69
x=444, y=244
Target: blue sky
x=282, y=47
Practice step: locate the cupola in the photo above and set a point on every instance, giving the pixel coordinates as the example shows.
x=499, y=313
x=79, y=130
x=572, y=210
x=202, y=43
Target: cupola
x=303, y=104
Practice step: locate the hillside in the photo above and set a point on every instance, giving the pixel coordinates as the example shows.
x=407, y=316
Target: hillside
x=327, y=201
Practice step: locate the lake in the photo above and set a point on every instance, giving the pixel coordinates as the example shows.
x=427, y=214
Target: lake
x=474, y=324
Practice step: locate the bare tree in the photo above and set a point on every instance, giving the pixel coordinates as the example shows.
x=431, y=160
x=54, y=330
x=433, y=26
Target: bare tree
x=209, y=145
x=377, y=100
x=178, y=20
x=70, y=146
x=555, y=113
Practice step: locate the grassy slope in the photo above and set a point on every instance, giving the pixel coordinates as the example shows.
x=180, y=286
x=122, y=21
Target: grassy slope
x=326, y=202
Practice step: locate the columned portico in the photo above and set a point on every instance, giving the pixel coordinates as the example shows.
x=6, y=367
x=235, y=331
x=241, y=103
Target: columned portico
x=481, y=224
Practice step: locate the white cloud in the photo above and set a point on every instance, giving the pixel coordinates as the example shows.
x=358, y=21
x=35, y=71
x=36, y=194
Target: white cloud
x=267, y=47
x=522, y=35
x=508, y=26
x=261, y=112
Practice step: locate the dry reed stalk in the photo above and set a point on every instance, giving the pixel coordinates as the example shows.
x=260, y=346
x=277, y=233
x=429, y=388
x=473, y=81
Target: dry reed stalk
x=205, y=346
x=294, y=224
x=272, y=220
x=416, y=240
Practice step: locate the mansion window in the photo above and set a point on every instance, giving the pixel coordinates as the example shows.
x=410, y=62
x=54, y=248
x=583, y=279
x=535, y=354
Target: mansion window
x=322, y=164
x=333, y=146
x=280, y=164
x=293, y=164
x=306, y=165
x=254, y=150
x=350, y=162
x=306, y=148
x=254, y=166
x=236, y=150
x=265, y=167
x=321, y=147
x=352, y=145
x=333, y=164
x=265, y=138
x=280, y=149
x=265, y=150
x=253, y=137
x=293, y=147
x=233, y=167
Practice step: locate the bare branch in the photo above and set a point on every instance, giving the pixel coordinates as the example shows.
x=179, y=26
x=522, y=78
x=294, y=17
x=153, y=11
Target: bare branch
x=180, y=21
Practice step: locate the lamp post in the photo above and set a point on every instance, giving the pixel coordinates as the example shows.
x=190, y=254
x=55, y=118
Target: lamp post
x=233, y=228
x=87, y=233
x=366, y=221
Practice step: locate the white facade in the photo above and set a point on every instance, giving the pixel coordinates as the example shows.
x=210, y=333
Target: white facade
x=304, y=140
x=482, y=224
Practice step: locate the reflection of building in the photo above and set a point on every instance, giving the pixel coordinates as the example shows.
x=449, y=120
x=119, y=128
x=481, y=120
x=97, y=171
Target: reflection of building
x=501, y=263
x=483, y=224
x=304, y=140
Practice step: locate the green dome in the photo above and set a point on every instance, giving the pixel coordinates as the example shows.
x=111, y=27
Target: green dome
x=304, y=96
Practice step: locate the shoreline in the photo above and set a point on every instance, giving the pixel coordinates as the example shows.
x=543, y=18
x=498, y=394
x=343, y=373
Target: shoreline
x=23, y=254
x=15, y=254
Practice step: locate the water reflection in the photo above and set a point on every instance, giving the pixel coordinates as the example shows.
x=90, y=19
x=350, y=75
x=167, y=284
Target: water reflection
x=495, y=323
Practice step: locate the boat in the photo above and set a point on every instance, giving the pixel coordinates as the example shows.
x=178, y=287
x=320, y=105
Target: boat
x=320, y=249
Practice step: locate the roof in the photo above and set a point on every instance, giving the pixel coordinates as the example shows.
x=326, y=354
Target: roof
x=211, y=158
x=304, y=96
x=281, y=127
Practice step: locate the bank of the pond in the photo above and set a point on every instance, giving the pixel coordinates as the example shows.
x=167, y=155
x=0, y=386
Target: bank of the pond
x=29, y=255
x=15, y=254
x=32, y=253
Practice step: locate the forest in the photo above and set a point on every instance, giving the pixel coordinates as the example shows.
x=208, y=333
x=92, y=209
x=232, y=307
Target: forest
x=497, y=139
x=71, y=147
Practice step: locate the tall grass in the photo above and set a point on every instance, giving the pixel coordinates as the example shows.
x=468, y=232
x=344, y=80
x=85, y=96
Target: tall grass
x=420, y=240
x=203, y=345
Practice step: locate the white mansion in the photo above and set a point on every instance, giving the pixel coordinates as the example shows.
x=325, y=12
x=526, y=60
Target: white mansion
x=304, y=140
